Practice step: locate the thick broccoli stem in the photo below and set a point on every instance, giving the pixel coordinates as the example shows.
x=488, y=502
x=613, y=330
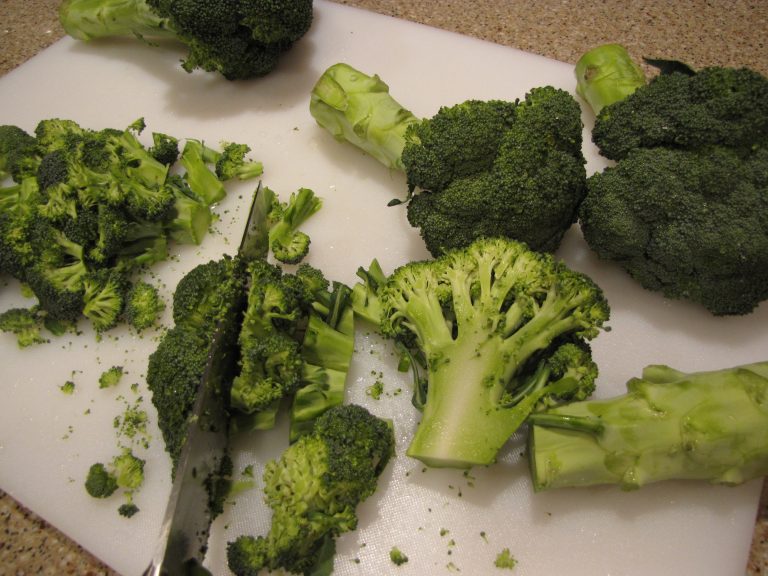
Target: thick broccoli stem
x=465, y=421
x=358, y=108
x=669, y=425
x=607, y=74
x=89, y=19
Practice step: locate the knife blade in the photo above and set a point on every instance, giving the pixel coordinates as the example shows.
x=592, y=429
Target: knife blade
x=186, y=525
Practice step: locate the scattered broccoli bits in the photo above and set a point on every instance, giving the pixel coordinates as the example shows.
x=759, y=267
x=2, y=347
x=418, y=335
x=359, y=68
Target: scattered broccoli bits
x=125, y=471
x=111, y=377
x=505, y=560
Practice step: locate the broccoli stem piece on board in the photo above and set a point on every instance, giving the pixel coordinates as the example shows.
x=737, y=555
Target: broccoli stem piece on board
x=669, y=425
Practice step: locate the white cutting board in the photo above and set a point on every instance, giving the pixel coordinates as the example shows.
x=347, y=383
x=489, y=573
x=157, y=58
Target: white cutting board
x=48, y=440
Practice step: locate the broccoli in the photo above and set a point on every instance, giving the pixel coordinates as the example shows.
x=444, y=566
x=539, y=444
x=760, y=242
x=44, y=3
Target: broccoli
x=607, y=74
x=397, y=557
x=91, y=209
x=481, y=168
x=232, y=163
x=111, y=377
x=25, y=323
x=313, y=490
x=100, y=482
x=505, y=560
x=503, y=331
x=296, y=343
x=670, y=424
x=682, y=209
x=125, y=471
x=15, y=147
x=238, y=40
x=202, y=298
x=143, y=305
x=288, y=244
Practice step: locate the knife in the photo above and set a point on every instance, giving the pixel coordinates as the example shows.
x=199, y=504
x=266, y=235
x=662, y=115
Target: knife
x=186, y=525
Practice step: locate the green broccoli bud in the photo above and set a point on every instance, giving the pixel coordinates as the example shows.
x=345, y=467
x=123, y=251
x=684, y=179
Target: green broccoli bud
x=100, y=483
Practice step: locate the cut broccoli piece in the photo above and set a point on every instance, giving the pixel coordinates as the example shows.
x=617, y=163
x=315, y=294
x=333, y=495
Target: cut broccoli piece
x=313, y=490
x=669, y=425
x=503, y=331
x=143, y=305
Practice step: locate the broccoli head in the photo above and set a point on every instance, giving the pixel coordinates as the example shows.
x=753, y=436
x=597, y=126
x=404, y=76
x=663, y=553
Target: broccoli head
x=475, y=169
x=683, y=208
x=313, y=490
x=690, y=224
x=502, y=331
x=239, y=40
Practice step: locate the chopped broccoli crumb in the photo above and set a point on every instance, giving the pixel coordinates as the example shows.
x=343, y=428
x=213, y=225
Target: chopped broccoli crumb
x=110, y=377
x=68, y=387
x=397, y=557
x=504, y=559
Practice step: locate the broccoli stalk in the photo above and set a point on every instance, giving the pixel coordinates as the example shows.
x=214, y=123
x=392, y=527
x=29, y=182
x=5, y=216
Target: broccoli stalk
x=238, y=40
x=474, y=169
x=669, y=425
x=313, y=490
x=503, y=331
x=607, y=74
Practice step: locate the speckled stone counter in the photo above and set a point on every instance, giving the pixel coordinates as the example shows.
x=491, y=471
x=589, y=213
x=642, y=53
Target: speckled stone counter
x=699, y=32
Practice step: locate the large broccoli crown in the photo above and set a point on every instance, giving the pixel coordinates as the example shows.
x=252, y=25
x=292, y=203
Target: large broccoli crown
x=314, y=489
x=502, y=330
x=692, y=224
x=238, y=39
x=497, y=169
x=716, y=105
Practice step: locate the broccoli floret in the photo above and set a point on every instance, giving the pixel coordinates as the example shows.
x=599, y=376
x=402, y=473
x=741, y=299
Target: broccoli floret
x=165, y=148
x=190, y=218
x=198, y=161
x=313, y=490
x=233, y=163
x=397, y=557
x=505, y=560
x=100, y=482
x=478, y=168
x=682, y=208
x=203, y=297
x=104, y=294
x=689, y=224
x=668, y=425
x=16, y=146
x=174, y=371
x=143, y=305
x=238, y=40
x=25, y=323
x=503, y=332
x=111, y=377
x=289, y=244
x=713, y=106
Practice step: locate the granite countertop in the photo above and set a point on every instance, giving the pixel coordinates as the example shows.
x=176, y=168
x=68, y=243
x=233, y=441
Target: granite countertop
x=699, y=32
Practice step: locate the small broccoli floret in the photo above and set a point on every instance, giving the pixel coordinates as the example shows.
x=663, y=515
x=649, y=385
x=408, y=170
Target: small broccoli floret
x=104, y=298
x=233, y=163
x=165, y=148
x=475, y=169
x=505, y=560
x=100, y=482
x=313, y=490
x=128, y=471
x=502, y=331
x=668, y=425
x=238, y=40
x=397, y=557
x=143, y=305
x=128, y=510
x=289, y=244
x=111, y=377
x=25, y=323
x=16, y=146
